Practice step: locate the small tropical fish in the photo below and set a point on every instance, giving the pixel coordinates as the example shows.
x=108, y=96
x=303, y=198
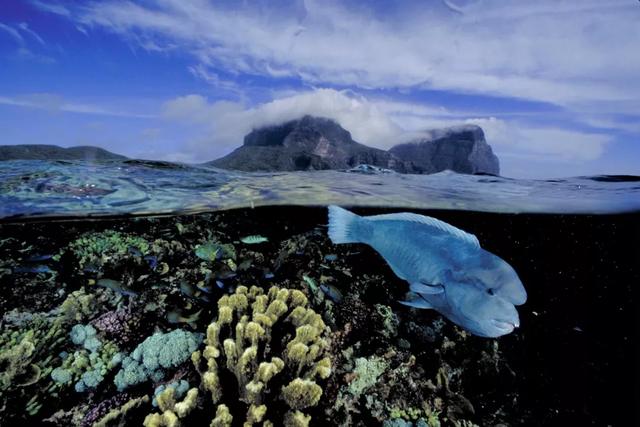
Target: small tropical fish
x=177, y=316
x=152, y=260
x=332, y=292
x=39, y=258
x=134, y=251
x=254, y=239
x=33, y=269
x=207, y=289
x=208, y=251
x=192, y=291
x=116, y=286
x=312, y=283
x=446, y=268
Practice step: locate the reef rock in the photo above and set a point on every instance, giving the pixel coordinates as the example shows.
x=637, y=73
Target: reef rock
x=309, y=143
x=462, y=149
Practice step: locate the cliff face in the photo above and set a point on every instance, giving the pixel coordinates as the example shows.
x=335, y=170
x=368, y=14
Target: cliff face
x=314, y=143
x=53, y=152
x=309, y=143
x=461, y=149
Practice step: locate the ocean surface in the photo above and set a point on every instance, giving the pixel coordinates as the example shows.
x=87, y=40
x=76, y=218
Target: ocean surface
x=103, y=262
x=63, y=188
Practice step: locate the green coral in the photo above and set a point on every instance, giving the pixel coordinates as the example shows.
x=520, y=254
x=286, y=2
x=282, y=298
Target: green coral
x=157, y=353
x=86, y=366
x=100, y=248
x=240, y=342
x=28, y=350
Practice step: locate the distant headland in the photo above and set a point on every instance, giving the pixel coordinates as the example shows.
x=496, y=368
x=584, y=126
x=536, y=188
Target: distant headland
x=54, y=152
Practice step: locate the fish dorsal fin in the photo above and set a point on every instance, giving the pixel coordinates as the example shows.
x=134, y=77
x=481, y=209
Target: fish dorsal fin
x=436, y=223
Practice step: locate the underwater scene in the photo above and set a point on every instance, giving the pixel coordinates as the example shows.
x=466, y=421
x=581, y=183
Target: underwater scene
x=283, y=315
x=307, y=213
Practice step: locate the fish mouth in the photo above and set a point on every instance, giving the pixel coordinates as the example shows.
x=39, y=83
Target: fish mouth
x=504, y=325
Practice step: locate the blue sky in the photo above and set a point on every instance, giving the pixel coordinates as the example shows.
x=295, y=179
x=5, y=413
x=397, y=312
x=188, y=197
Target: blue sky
x=553, y=83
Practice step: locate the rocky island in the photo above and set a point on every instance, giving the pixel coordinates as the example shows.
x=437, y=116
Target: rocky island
x=316, y=143
x=309, y=143
x=54, y=152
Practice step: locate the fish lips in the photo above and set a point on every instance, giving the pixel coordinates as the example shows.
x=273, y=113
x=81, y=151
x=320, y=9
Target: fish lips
x=505, y=326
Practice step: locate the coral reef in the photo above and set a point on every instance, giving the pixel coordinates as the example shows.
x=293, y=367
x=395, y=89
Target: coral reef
x=316, y=339
x=155, y=355
x=273, y=345
x=87, y=366
x=172, y=411
x=97, y=249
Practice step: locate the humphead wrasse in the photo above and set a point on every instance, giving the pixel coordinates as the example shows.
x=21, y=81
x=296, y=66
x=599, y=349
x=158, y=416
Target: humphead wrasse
x=446, y=268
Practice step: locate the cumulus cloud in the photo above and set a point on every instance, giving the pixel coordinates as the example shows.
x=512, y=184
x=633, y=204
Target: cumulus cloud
x=380, y=123
x=230, y=121
x=563, y=52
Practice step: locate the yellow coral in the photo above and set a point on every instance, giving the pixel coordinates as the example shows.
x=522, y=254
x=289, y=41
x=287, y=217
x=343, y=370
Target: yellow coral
x=223, y=417
x=172, y=412
x=253, y=318
x=255, y=414
x=296, y=419
x=300, y=394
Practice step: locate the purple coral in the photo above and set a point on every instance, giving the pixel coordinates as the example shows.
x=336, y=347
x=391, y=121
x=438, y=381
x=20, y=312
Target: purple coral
x=121, y=326
x=102, y=408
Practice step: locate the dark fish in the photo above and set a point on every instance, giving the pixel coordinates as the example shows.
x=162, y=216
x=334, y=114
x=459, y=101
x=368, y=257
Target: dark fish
x=91, y=268
x=177, y=316
x=192, y=291
x=134, y=251
x=39, y=258
x=330, y=257
x=332, y=292
x=116, y=286
x=207, y=289
x=33, y=269
x=152, y=260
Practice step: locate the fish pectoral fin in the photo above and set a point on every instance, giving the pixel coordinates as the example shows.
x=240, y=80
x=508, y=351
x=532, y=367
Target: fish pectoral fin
x=415, y=300
x=425, y=288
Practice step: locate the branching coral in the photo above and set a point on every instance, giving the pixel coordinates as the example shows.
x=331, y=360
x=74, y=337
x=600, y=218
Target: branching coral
x=273, y=345
x=172, y=411
x=99, y=248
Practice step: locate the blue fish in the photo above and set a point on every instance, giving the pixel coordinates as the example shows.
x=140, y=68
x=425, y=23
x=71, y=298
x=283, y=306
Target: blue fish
x=32, y=269
x=446, y=268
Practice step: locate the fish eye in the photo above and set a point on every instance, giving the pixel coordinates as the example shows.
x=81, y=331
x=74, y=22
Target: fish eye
x=490, y=291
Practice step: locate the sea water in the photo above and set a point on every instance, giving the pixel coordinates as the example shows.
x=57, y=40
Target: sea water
x=120, y=251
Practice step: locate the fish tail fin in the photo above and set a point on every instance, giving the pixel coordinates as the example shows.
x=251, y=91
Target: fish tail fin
x=344, y=226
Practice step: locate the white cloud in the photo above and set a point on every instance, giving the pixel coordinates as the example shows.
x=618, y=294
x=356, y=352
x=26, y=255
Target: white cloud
x=564, y=52
x=376, y=122
x=55, y=103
